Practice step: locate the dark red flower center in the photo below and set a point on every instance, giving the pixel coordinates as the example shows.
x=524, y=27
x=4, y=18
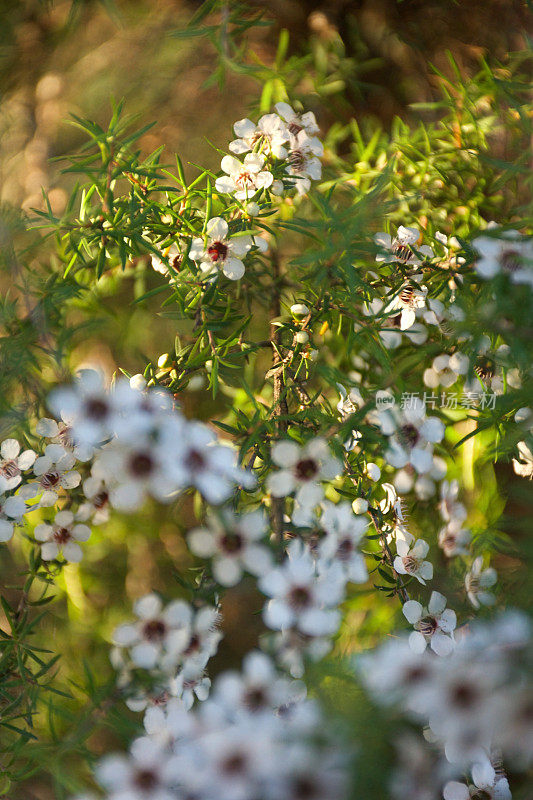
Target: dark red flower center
x=217, y=251
x=306, y=469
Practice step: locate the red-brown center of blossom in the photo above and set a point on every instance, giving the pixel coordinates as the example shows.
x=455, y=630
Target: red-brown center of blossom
x=145, y=780
x=62, y=535
x=254, y=699
x=409, y=434
x=402, y=251
x=295, y=128
x=464, y=695
x=101, y=499
x=306, y=469
x=304, y=788
x=410, y=564
x=217, y=251
x=296, y=159
x=244, y=180
x=10, y=469
x=96, y=408
x=345, y=549
x=195, y=460
x=234, y=764
x=141, y=465
x=50, y=479
x=510, y=260
x=300, y=596
x=154, y=630
x=427, y=625
x=231, y=542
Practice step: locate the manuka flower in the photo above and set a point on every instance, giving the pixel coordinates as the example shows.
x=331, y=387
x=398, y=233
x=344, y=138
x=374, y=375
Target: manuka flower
x=410, y=560
x=221, y=252
x=243, y=178
x=269, y=135
x=62, y=536
x=13, y=463
x=433, y=625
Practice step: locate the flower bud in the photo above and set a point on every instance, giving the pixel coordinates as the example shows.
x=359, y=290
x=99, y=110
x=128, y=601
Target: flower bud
x=302, y=337
x=138, y=382
x=252, y=209
x=277, y=188
x=373, y=471
x=163, y=360
x=360, y=505
x=299, y=310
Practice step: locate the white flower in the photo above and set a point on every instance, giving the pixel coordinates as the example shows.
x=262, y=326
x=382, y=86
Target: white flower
x=140, y=776
x=201, y=461
x=449, y=507
x=221, y=251
x=505, y=251
x=408, y=301
x=173, y=257
x=87, y=406
x=344, y=532
x=62, y=537
x=410, y=560
x=293, y=649
x=412, y=435
x=523, y=465
x=257, y=689
x=12, y=509
x=13, y=463
x=164, y=637
x=477, y=581
x=297, y=122
x=97, y=506
x=403, y=247
x=446, y=369
x=61, y=433
x=303, y=162
x=454, y=540
x=300, y=598
x=433, y=625
x=234, y=544
x=53, y=471
x=190, y=682
x=302, y=468
x=243, y=179
x=269, y=133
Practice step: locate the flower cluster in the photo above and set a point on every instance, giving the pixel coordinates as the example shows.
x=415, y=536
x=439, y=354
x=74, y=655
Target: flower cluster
x=257, y=738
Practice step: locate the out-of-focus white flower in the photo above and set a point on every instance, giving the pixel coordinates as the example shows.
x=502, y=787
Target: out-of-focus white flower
x=88, y=407
x=190, y=682
x=301, y=598
x=61, y=433
x=505, y=251
x=234, y=544
x=138, y=382
x=445, y=370
x=243, y=179
x=270, y=135
x=302, y=467
x=454, y=540
x=407, y=301
x=410, y=560
x=165, y=637
x=433, y=625
x=477, y=581
x=412, y=435
x=12, y=510
x=449, y=506
x=141, y=776
x=62, y=537
x=344, y=532
x=13, y=463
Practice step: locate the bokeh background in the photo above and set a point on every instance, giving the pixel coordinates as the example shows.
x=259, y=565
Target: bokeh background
x=370, y=60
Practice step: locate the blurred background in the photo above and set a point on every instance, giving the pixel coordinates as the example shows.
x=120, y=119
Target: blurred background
x=368, y=59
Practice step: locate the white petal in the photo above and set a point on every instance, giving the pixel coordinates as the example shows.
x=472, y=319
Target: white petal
x=285, y=453
x=412, y=611
x=233, y=268
x=217, y=229
x=227, y=571
x=456, y=791
x=72, y=552
x=437, y=603
x=148, y=607
x=441, y=645
x=9, y=449
x=417, y=642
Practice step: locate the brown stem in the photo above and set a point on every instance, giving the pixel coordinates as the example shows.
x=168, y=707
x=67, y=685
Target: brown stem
x=279, y=400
